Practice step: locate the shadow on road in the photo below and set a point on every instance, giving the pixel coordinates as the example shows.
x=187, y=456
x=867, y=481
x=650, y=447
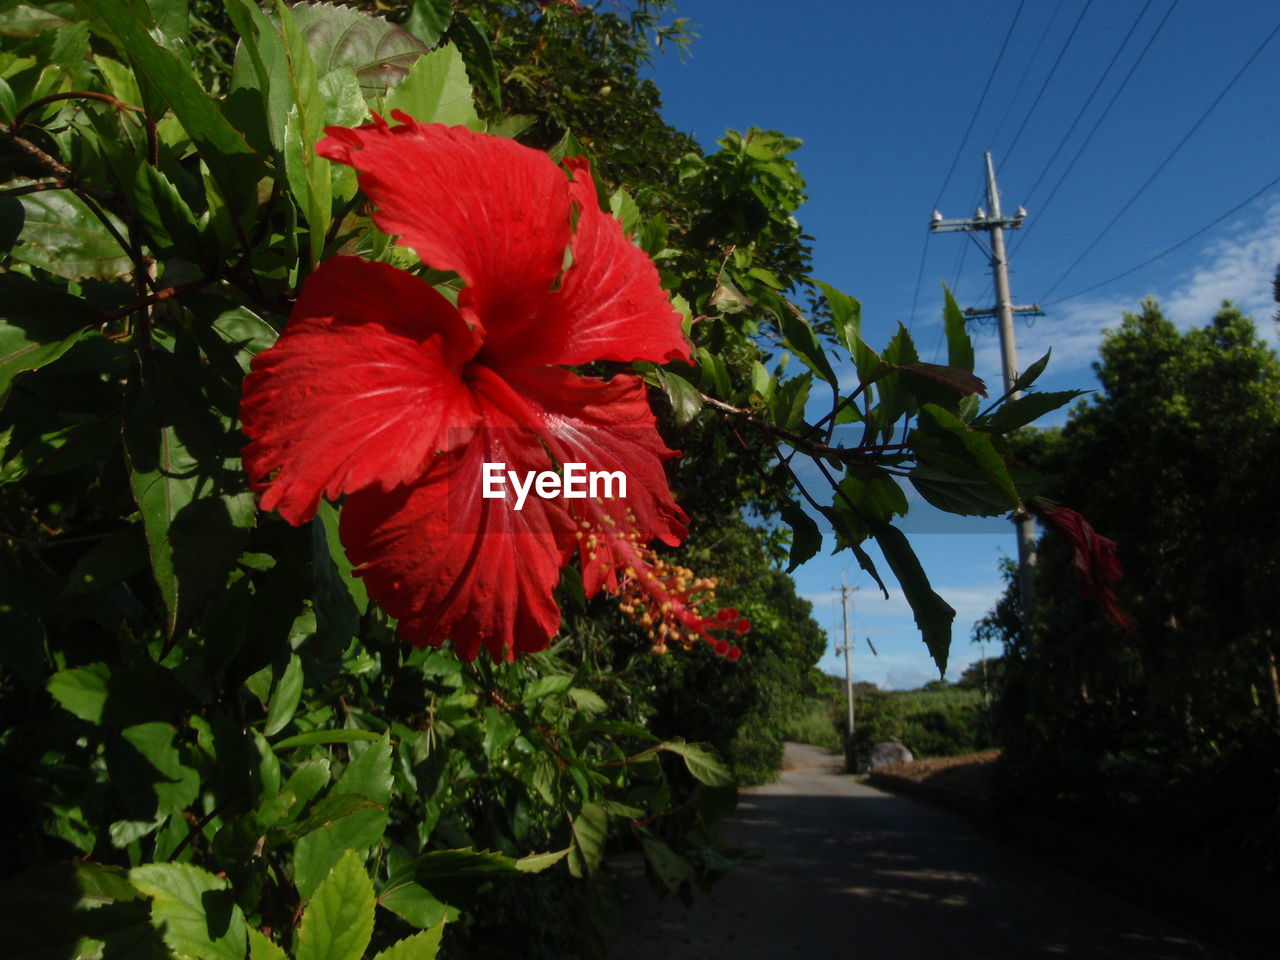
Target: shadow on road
x=850, y=871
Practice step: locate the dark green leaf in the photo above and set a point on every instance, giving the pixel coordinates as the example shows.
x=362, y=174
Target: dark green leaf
x=113, y=559
x=945, y=441
x=429, y=19
x=669, y=867
x=590, y=827
x=806, y=537
x=314, y=737
x=285, y=697
x=168, y=219
x=1024, y=380
x=61, y=234
x=414, y=903
x=705, y=766
x=789, y=401
x=800, y=337
x=234, y=165
x=1013, y=414
x=959, y=346
x=685, y=399
x=474, y=44
x=933, y=615
x=955, y=494
x=846, y=314
x=424, y=945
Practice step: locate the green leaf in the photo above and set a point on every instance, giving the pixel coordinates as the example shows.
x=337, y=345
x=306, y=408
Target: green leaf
x=950, y=384
x=367, y=775
x=113, y=559
x=380, y=53
x=313, y=737
x=308, y=175
x=414, y=903
x=179, y=471
x=168, y=219
x=260, y=948
x=82, y=690
x=537, y=862
x=178, y=785
x=340, y=597
x=285, y=697
x=429, y=19
x=705, y=766
x=933, y=615
x=62, y=235
x=800, y=337
x=806, y=537
x=1027, y=409
x=590, y=827
x=1027, y=377
x=37, y=326
x=337, y=923
x=846, y=315
x=235, y=167
x=959, y=346
x=437, y=91
x=669, y=867
x=421, y=946
x=546, y=686
x=959, y=495
x=945, y=441
x=789, y=401
x=194, y=911
x=686, y=401
x=474, y=44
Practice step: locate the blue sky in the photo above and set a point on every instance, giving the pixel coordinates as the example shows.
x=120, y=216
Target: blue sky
x=882, y=93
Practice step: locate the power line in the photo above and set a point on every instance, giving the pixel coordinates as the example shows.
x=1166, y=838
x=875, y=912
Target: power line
x=1098, y=123
x=1181, y=243
x=1093, y=93
x=915, y=297
x=1045, y=86
x=1187, y=136
x=1017, y=89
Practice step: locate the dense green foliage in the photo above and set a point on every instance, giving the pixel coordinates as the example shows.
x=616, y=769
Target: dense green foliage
x=1172, y=731
x=212, y=742
x=946, y=721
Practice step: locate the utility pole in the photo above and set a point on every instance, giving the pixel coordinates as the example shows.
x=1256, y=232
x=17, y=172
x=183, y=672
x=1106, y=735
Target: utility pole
x=846, y=647
x=995, y=224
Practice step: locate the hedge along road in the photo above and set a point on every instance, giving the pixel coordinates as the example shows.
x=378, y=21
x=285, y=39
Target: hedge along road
x=851, y=871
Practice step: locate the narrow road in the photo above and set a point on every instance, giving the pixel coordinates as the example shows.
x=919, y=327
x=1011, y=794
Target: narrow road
x=849, y=871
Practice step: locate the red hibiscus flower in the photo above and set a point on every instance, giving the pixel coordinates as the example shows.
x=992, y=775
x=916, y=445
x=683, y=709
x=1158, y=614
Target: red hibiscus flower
x=383, y=391
x=1093, y=556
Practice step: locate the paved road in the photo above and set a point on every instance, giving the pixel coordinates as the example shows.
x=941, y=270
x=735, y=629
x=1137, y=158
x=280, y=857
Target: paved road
x=852, y=872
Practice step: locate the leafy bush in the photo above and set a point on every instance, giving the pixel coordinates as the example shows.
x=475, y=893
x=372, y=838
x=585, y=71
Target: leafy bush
x=942, y=723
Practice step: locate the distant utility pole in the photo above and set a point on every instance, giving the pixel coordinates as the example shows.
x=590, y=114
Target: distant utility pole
x=1004, y=310
x=846, y=647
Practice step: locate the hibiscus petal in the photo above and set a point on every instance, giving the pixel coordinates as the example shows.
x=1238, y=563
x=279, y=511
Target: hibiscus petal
x=610, y=304
x=608, y=426
x=449, y=563
x=495, y=212
x=363, y=387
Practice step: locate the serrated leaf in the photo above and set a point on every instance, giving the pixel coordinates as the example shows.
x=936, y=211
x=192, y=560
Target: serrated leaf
x=800, y=337
x=260, y=948
x=60, y=234
x=806, y=537
x=234, y=165
x=705, y=766
x=846, y=315
x=1026, y=409
x=546, y=686
x=1024, y=380
x=437, y=90
x=367, y=775
x=959, y=495
x=671, y=868
x=312, y=737
x=474, y=43
x=414, y=903
x=953, y=381
x=958, y=448
x=337, y=923
x=429, y=20
x=194, y=911
x=178, y=785
x=959, y=346
x=380, y=53
x=537, y=862
x=421, y=946
x=933, y=615
x=167, y=218
x=590, y=828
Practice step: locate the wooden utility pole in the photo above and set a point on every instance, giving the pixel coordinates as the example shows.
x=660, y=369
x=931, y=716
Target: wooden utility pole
x=995, y=224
